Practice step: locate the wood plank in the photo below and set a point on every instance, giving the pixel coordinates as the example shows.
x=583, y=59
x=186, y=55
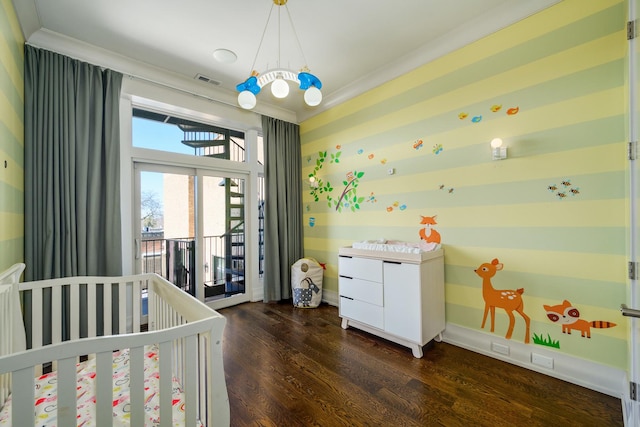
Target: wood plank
x=287, y=366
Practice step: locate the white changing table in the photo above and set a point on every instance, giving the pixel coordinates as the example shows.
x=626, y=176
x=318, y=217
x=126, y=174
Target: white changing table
x=397, y=296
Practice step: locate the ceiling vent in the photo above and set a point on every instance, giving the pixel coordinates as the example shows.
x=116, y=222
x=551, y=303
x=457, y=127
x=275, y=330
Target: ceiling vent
x=206, y=79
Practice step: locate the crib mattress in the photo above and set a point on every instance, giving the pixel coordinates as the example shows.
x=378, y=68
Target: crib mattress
x=46, y=394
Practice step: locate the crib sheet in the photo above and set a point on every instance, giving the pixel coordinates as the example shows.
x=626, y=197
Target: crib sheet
x=46, y=394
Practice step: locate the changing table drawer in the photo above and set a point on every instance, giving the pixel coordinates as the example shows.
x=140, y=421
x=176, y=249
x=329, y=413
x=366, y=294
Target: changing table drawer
x=362, y=312
x=360, y=268
x=363, y=290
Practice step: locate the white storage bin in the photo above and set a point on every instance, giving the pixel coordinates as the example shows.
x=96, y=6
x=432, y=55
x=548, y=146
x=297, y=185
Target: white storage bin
x=306, y=283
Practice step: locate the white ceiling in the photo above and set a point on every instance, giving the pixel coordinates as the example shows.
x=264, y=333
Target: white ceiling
x=351, y=45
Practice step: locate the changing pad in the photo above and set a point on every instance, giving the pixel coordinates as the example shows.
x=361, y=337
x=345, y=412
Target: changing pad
x=396, y=246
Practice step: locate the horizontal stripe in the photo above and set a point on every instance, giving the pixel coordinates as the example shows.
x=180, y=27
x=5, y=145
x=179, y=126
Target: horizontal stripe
x=553, y=103
x=11, y=147
x=534, y=305
x=573, y=265
x=11, y=225
x=11, y=252
x=11, y=33
x=535, y=26
x=11, y=83
x=591, y=28
x=597, y=187
x=460, y=168
x=543, y=23
x=11, y=173
x=330, y=284
x=579, y=213
x=12, y=199
x=12, y=58
x=11, y=117
x=581, y=291
x=576, y=265
x=11, y=63
x=601, y=347
x=561, y=138
x=526, y=140
x=536, y=115
x=594, y=240
x=328, y=245
x=524, y=88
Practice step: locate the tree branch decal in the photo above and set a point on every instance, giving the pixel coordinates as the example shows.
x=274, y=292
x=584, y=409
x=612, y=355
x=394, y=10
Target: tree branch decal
x=348, y=198
x=318, y=186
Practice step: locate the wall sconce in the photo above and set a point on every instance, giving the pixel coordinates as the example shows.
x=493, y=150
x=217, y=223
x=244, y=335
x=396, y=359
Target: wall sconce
x=498, y=151
x=313, y=183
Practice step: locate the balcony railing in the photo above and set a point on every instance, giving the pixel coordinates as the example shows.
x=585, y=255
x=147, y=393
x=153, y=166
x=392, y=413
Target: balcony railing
x=174, y=259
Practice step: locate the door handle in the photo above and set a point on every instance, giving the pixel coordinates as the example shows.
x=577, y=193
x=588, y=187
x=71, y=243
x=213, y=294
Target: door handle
x=626, y=311
x=137, y=248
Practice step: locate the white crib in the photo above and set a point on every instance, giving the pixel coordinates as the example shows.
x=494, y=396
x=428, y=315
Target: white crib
x=180, y=354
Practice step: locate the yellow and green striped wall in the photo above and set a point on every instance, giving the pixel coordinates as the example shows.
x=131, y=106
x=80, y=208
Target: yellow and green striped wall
x=11, y=137
x=553, y=87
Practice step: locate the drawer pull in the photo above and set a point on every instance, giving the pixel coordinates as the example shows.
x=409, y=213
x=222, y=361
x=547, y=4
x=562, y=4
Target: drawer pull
x=346, y=277
x=342, y=296
x=344, y=256
x=392, y=262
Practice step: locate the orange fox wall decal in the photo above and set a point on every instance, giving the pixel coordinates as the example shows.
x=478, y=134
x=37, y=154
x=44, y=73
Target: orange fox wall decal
x=427, y=233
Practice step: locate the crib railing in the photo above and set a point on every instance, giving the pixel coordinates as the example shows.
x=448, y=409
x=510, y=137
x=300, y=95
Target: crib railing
x=187, y=333
x=10, y=319
x=81, y=307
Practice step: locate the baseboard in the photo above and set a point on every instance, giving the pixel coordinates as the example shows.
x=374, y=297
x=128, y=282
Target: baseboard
x=257, y=292
x=595, y=376
x=330, y=297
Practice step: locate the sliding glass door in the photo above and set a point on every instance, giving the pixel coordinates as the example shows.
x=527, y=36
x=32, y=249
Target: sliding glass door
x=191, y=230
x=223, y=240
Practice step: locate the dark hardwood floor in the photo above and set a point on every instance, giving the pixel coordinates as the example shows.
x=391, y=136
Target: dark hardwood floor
x=287, y=366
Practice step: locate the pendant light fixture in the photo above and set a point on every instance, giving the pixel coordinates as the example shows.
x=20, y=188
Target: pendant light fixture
x=279, y=77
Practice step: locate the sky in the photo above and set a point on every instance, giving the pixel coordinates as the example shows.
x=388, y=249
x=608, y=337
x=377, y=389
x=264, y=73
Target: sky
x=156, y=136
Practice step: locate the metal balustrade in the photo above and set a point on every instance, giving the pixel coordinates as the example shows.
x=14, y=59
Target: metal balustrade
x=174, y=259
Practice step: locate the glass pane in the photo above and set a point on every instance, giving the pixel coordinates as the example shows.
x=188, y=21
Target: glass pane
x=261, y=227
x=167, y=218
x=224, y=237
x=260, y=150
x=175, y=135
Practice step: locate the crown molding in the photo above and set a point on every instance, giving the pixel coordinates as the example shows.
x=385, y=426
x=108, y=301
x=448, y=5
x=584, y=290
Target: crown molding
x=55, y=42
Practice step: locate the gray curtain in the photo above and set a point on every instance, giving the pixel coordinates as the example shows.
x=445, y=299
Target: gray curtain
x=283, y=237
x=72, y=169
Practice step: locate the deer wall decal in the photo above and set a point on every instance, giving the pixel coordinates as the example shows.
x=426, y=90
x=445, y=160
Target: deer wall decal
x=509, y=300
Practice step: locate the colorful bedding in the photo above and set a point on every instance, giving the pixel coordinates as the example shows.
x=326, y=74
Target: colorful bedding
x=46, y=394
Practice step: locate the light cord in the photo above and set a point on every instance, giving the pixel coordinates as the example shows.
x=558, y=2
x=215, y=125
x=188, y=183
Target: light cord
x=262, y=39
x=295, y=33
